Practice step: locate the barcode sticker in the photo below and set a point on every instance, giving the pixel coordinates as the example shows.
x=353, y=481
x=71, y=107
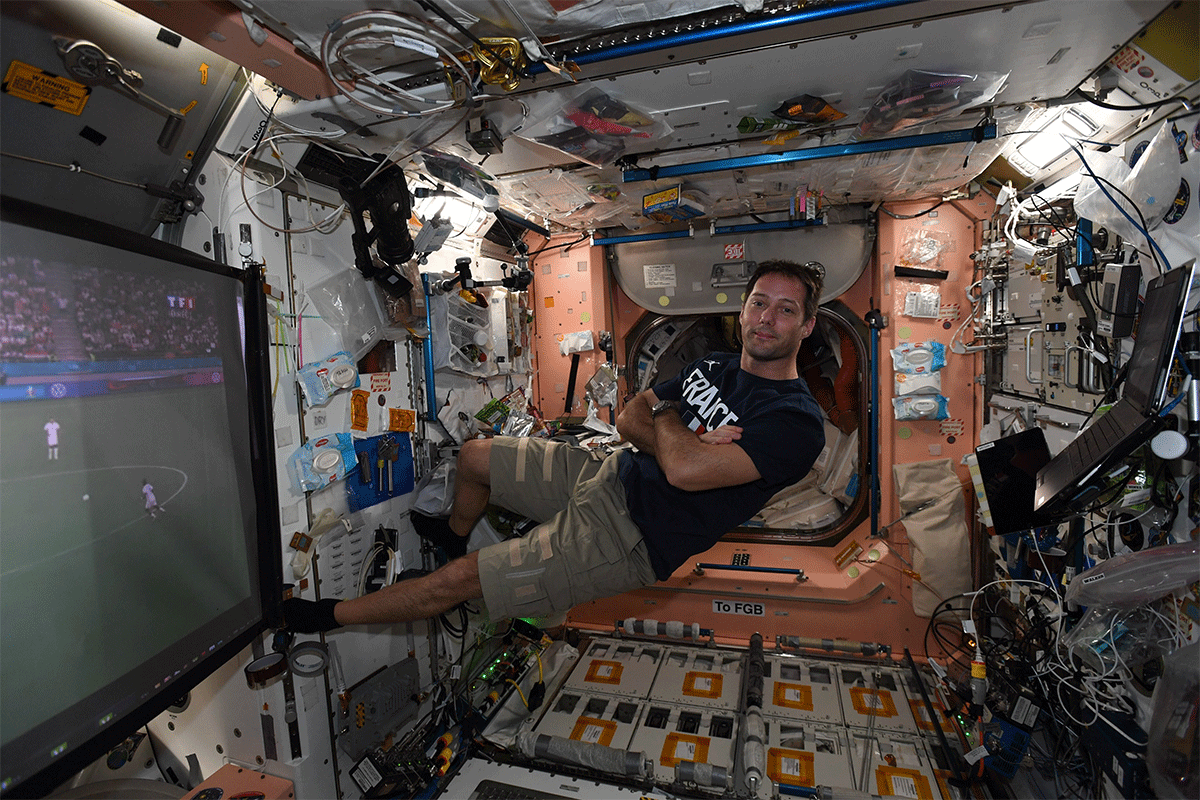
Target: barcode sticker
x=592, y=734
x=790, y=766
x=685, y=751
x=904, y=786
x=792, y=695
x=976, y=754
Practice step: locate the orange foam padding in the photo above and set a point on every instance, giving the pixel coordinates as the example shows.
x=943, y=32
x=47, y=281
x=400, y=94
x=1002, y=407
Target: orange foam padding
x=233, y=780
x=793, y=767
x=683, y=747
x=594, y=731
x=607, y=672
x=702, y=684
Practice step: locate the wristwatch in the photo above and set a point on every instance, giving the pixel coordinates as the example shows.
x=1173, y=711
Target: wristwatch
x=660, y=407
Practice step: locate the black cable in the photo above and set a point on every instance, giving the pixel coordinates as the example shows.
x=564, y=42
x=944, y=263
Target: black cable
x=428, y=5
x=1141, y=217
x=1139, y=107
x=912, y=216
x=267, y=124
x=559, y=246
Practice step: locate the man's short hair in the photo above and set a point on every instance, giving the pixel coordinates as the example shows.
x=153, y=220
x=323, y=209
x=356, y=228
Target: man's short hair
x=810, y=277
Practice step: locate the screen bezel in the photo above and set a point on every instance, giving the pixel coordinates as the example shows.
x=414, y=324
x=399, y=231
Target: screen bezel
x=262, y=468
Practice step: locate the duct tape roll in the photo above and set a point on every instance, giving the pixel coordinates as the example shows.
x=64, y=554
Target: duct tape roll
x=308, y=659
x=755, y=765
x=343, y=376
x=261, y=671
x=701, y=774
x=756, y=730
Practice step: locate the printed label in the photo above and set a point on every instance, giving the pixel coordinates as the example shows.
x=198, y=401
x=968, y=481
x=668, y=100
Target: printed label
x=739, y=607
x=39, y=86
x=659, y=276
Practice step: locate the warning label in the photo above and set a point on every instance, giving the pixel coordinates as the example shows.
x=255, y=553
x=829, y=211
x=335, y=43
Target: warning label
x=38, y=86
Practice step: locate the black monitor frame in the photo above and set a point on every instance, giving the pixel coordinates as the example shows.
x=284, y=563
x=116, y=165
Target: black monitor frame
x=262, y=468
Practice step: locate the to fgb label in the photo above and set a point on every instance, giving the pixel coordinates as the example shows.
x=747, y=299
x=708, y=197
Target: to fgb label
x=739, y=607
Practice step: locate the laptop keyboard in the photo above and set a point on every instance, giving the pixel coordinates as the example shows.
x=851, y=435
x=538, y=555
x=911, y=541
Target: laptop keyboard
x=494, y=790
x=1090, y=447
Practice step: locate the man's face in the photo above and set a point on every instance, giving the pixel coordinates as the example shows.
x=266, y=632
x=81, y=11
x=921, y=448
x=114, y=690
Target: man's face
x=772, y=319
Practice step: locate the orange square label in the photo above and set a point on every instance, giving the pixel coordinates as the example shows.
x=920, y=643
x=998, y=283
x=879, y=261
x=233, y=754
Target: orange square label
x=702, y=684
x=873, y=702
x=549, y=302
x=604, y=672
x=900, y=782
x=943, y=780
x=358, y=409
x=793, y=767
x=403, y=420
x=594, y=731
x=922, y=716
x=793, y=695
x=683, y=747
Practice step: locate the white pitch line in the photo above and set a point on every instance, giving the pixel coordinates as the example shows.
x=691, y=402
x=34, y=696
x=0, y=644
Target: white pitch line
x=96, y=540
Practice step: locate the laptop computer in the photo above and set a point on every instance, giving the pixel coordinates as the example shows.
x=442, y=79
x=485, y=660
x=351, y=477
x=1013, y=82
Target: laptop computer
x=1008, y=469
x=1077, y=475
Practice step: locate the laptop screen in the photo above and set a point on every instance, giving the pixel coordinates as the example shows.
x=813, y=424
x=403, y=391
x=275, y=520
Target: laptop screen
x=1158, y=328
x=1008, y=468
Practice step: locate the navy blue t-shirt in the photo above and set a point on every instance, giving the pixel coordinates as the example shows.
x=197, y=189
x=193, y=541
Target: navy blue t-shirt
x=782, y=432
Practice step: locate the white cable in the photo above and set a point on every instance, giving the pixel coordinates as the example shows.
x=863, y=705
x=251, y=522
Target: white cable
x=372, y=30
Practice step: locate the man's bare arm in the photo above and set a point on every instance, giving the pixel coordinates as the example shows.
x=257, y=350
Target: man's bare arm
x=694, y=465
x=635, y=423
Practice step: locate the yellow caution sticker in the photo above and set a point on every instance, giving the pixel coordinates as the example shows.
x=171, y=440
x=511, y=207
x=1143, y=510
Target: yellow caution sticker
x=38, y=86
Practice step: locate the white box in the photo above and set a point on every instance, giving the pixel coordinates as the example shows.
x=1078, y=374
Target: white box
x=803, y=753
x=874, y=696
x=671, y=734
x=593, y=718
x=798, y=689
x=704, y=678
x=618, y=668
x=900, y=765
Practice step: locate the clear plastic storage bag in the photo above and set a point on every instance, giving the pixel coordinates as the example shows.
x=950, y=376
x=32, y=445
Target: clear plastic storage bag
x=918, y=97
x=590, y=124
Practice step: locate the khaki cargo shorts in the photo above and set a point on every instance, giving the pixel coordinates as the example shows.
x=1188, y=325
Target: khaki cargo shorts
x=586, y=546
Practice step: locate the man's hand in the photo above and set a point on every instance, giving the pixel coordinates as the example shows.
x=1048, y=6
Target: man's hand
x=305, y=616
x=722, y=435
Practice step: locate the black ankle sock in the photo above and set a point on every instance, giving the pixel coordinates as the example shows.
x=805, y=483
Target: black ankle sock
x=437, y=530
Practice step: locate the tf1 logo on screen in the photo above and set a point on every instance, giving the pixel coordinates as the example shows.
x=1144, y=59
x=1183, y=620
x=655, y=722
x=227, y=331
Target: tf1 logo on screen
x=739, y=607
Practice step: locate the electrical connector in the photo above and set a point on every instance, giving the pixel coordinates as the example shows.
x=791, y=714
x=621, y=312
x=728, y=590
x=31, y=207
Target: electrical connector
x=978, y=683
x=536, y=695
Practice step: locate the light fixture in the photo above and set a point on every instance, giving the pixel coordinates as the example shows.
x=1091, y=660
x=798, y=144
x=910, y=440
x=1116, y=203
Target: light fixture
x=1052, y=141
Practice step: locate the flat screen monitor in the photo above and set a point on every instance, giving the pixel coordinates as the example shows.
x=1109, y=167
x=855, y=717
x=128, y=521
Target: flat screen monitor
x=139, y=533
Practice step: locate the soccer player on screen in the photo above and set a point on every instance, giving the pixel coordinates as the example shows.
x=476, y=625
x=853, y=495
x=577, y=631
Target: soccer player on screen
x=51, y=429
x=151, y=502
